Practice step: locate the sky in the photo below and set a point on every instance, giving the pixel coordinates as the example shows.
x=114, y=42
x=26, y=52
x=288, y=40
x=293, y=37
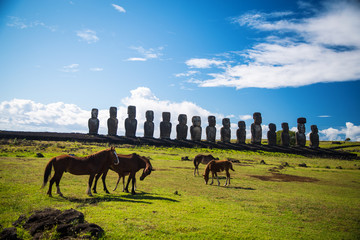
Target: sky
x=227, y=58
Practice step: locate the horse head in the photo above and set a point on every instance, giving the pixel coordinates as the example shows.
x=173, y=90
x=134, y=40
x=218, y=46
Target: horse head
x=147, y=170
x=206, y=178
x=116, y=159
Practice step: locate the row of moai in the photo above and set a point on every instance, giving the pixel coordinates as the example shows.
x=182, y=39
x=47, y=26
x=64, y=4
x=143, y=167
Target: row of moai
x=196, y=129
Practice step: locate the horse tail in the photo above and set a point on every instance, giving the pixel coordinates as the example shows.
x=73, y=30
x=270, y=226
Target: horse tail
x=47, y=172
x=194, y=161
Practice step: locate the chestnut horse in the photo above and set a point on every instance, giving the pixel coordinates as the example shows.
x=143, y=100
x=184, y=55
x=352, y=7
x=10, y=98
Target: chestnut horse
x=90, y=165
x=204, y=159
x=218, y=166
x=129, y=165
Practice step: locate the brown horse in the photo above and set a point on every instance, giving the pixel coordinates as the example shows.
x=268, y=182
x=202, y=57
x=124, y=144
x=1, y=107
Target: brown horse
x=129, y=165
x=218, y=166
x=204, y=159
x=90, y=165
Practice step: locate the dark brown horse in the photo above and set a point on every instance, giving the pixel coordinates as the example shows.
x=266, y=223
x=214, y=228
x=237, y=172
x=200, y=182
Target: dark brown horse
x=129, y=165
x=216, y=166
x=90, y=165
x=204, y=159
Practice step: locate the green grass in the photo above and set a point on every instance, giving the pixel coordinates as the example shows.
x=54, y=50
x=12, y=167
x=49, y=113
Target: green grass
x=172, y=203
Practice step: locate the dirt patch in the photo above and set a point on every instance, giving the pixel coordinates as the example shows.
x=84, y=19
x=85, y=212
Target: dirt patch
x=183, y=167
x=69, y=224
x=278, y=177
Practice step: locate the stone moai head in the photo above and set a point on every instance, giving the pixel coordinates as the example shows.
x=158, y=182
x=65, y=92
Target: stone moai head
x=182, y=119
x=226, y=122
x=212, y=121
x=272, y=127
x=94, y=113
x=149, y=115
x=113, y=112
x=301, y=124
x=314, y=129
x=166, y=116
x=131, y=112
x=196, y=120
x=257, y=118
x=285, y=127
x=241, y=125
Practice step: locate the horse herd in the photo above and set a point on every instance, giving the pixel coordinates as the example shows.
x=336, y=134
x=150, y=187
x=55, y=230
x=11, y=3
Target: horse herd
x=98, y=164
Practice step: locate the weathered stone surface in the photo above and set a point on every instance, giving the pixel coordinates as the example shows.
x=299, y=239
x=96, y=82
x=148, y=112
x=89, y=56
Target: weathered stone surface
x=149, y=124
x=182, y=128
x=285, y=137
x=93, y=122
x=112, y=122
x=211, y=129
x=241, y=132
x=131, y=122
x=300, y=134
x=271, y=134
x=9, y=234
x=256, y=129
x=314, y=137
x=165, y=126
x=195, y=129
x=225, y=131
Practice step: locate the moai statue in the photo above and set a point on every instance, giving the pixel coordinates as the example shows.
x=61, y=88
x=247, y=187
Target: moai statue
x=195, y=129
x=131, y=122
x=112, y=122
x=182, y=128
x=300, y=134
x=271, y=134
x=93, y=122
x=285, y=137
x=211, y=129
x=314, y=137
x=165, y=126
x=256, y=130
x=241, y=132
x=225, y=132
x=149, y=124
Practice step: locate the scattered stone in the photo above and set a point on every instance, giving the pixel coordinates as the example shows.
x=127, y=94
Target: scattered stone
x=39, y=155
x=285, y=164
x=69, y=223
x=262, y=162
x=303, y=165
x=233, y=160
x=339, y=167
x=328, y=167
x=186, y=158
x=9, y=234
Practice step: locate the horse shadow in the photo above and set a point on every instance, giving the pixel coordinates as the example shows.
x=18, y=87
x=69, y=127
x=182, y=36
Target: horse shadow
x=140, y=195
x=241, y=188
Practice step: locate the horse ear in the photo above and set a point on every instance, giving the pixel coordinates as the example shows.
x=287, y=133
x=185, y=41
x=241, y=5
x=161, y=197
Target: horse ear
x=112, y=148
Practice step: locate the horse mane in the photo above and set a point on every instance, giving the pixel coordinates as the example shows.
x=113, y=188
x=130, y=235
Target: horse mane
x=94, y=155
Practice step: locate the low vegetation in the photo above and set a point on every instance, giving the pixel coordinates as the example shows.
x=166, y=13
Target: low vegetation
x=271, y=196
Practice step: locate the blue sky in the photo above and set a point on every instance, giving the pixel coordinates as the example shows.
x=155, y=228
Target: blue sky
x=285, y=59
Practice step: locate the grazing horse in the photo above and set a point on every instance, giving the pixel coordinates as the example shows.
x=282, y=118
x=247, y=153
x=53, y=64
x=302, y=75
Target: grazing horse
x=218, y=166
x=204, y=159
x=129, y=165
x=93, y=164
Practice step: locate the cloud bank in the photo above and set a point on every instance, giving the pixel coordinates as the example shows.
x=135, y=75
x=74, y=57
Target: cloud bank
x=27, y=115
x=297, y=51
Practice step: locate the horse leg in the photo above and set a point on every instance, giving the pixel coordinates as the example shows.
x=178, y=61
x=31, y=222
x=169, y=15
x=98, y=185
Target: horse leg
x=91, y=179
x=103, y=180
x=212, y=178
x=217, y=178
x=133, y=185
x=227, y=177
x=58, y=178
x=52, y=180
x=123, y=183
x=127, y=184
x=95, y=183
x=118, y=182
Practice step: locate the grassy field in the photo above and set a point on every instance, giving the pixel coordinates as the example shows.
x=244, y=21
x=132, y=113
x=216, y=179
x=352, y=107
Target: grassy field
x=264, y=201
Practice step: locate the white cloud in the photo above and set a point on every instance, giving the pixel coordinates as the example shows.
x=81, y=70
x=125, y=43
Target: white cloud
x=70, y=68
x=324, y=116
x=349, y=131
x=119, y=8
x=146, y=54
x=203, y=63
x=187, y=74
x=20, y=23
x=87, y=35
x=322, y=48
x=245, y=117
x=96, y=69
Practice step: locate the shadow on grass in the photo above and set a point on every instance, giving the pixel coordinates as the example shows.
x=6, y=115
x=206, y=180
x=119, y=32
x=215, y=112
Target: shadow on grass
x=147, y=196
x=233, y=187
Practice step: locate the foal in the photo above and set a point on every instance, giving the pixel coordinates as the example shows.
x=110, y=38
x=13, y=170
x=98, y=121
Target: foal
x=217, y=166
